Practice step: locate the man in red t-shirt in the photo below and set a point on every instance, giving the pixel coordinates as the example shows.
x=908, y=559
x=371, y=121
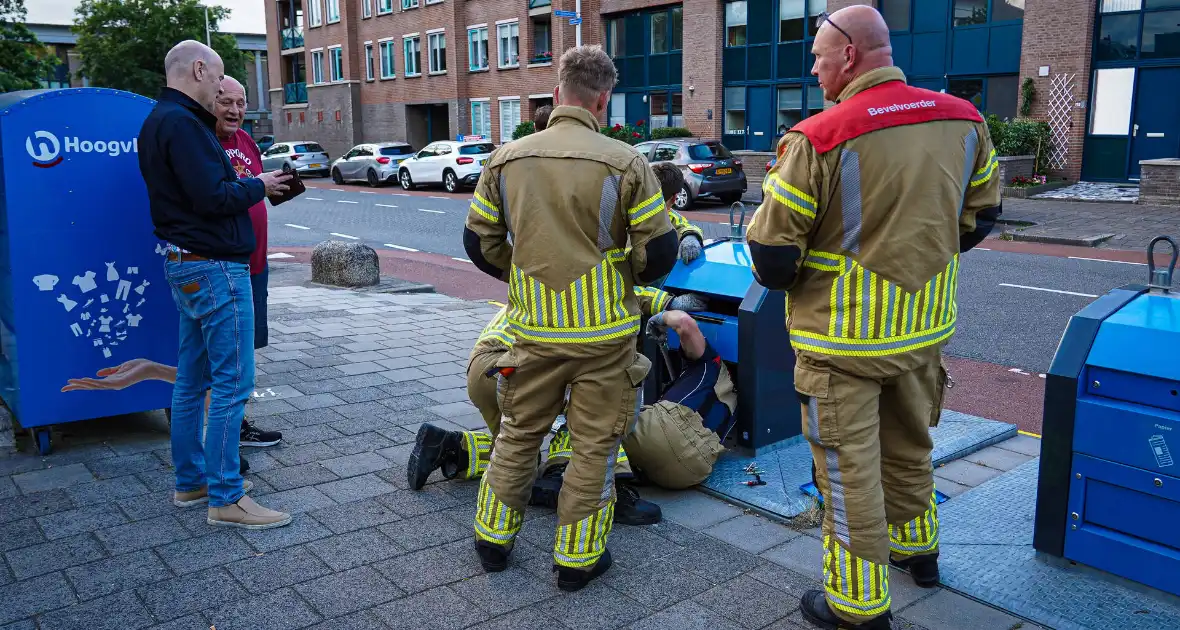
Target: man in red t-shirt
x=230, y=110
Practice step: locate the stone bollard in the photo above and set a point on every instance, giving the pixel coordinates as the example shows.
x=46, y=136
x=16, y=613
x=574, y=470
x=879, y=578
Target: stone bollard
x=345, y=264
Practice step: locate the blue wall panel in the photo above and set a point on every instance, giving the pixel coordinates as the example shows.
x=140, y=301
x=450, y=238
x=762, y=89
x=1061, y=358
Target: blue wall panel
x=1004, y=48
x=929, y=54
x=903, y=45
x=931, y=15
x=969, y=51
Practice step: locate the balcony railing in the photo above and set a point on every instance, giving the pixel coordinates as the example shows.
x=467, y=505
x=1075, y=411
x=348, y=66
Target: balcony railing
x=536, y=4
x=295, y=93
x=292, y=38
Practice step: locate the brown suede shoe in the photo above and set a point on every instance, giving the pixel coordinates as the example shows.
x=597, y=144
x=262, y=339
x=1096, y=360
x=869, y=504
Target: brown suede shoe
x=194, y=497
x=248, y=515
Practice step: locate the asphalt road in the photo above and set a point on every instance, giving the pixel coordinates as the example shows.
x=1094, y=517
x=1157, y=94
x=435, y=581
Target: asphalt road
x=1013, y=307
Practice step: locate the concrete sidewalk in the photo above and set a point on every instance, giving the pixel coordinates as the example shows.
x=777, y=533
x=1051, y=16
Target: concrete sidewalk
x=91, y=540
x=1091, y=224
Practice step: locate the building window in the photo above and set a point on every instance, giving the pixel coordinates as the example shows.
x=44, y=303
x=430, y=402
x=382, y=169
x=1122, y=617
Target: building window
x=1115, y=6
x=735, y=110
x=336, y=58
x=333, y=11
x=438, y=52
x=481, y=119
x=477, y=48
x=970, y=12
x=896, y=14
x=1161, y=34
x=317, y=66
x=1118, y=36
x=1111, y=112
x=617, y=109
x=387, y=71
x=993, y=95
x=735, y=24
x=1005, y=10
x=509, y=118
x=368, y=62
x=433, y=1
x=659, y=33
x=412, y=50
x=509, y=35
x=409, y=4
x=968, y=90
x=384, y=6
x=790, y=108
x=315, y=17
x=616, y=34
x=667, y=110
x=542, y=50
x=366, y=9
x=792, y=20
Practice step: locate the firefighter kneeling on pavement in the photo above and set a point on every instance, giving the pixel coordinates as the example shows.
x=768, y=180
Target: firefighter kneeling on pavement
x=864, y=220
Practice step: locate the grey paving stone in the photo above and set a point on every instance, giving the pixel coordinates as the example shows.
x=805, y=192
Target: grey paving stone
x=283, y=356
x=365, y=423
x=280, y=367
x=715, y=561
x=273, y=570
x=21, y=534
x=529, y=617
x=307, y=435
x=1024, y=444
x=997, y=458
x=298, y=500
x=356, y=488
x=363, y=394
x=658, y=584
x=27, y=562
x=751, y=533
x=372, y=345
x=431, y=348
x=143, y=534
x=399, y=436
x=316, y=374
x=27, y=624
x=177, y=597
x=426, y=531
x=355, y=549
x=508, y=590
x=409, y=402
x=359, y=357
x=264, y=408
x=362, y=410
x=33, y=505
x=146, y=506
x=316, y=401
x=121, y=611
x=629, y=546
x=81, y=520
x=687, y=615
x=309, y=417
x=790, y=583
x=321, y=387
x=404, y=388
x=153, y=481
x=595, y=607
x=111, y=575
x=945, y=609
x=112, y=489
x=966, y=473
x=445, y=369
x=447, y=395
x=364, y=380
x=748, y=602
x=119, y=466
x=426, y=569
x=29, y=597
x=52, y=478
x=301, y=530
x=435, y=357
x=295, y=455
x=803, y=555
x=349, y=591
x=948, y=487
x=451, y=410
x=355, y=515
x=324, y=361
x=297, y=476
x=405, y=374
x=191, y=622
x=698, y=511
x=367, y=442
x=364, y=367
x=436, y=609
x=23, y=462
x=7, y=488
x=409, y=503
x=280, y=610
x=362, y=620
x=395, y=360
x=353, y=465
x=189, y=556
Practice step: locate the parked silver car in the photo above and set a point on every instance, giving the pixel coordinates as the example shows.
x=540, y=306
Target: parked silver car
x=375, y=163
x=303, y=156
x=710, y=170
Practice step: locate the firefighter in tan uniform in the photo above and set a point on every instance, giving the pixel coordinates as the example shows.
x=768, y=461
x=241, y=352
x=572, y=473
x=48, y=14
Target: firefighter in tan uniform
x=864, y=219
x=553, y=215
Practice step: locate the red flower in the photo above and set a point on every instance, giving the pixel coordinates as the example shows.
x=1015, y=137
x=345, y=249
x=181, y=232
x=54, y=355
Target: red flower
x=639, y=123
x=616, y=127
x=635, y=134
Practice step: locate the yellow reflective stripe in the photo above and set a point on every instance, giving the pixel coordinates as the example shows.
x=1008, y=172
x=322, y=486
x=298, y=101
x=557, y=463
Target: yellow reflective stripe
x=581, y=544
x=582, y=334
x=917, y=536
x=841, y=346
x=789, y=196
x=485, y=208
x=984, y=174
x=647, y=209
x=495, y=522
x=854, y=586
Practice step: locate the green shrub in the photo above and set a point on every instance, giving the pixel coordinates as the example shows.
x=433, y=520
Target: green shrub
x=524, y=129
x=1021, y=136
x=670, y=132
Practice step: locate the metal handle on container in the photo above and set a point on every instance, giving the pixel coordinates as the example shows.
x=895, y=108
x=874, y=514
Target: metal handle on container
x=737, y=230
x=1160, y=278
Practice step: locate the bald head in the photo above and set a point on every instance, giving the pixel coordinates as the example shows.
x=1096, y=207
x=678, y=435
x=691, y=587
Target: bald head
x=851, y=42
x=195, y=69
x=229, y=108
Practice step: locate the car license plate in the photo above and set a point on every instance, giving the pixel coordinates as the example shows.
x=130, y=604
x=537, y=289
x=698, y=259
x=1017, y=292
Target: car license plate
x=724, y=171
x=483, y=161
x=315, y=166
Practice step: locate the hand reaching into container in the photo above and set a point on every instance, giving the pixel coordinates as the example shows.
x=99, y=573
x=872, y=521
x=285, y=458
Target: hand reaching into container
x=123, y=376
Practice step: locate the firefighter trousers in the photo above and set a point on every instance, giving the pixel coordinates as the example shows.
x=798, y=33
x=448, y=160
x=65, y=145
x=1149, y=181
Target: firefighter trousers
x=870, y=440
x=603, y=404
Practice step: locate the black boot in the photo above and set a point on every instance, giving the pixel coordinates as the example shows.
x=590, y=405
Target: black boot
x=494, y=558
x=244, y=466
x=924, y=569
x=632, y=510
x=547, y=487
x=432, y=448
x=815, y=609
x=571, y=580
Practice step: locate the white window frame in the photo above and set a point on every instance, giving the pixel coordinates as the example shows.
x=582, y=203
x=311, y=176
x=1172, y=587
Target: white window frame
x=433, y=1
x=513, y=105
x=370, y=70
x=473, y=51
x=417, y=39
x=332, y=19
x=333, y=51
x=382, y=45
x=433, y=36
x=502, y=60
x=317, y=66
x=315, y=13
x=366, y=9
x=484, y=128
x=410, y=4
x=384, y=11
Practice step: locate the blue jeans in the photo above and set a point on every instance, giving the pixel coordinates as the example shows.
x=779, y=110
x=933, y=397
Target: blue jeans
x=259, y=283
x=216, y=351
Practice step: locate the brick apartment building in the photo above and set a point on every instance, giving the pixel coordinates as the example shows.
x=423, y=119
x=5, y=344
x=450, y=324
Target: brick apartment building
x=1106, y=72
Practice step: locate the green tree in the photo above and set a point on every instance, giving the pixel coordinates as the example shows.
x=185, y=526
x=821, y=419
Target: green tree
x=123, y=42
x=24, y=62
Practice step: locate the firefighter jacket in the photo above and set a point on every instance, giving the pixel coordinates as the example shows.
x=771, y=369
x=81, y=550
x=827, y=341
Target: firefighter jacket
x=553, y=215
x=864, y=218
x=683, y=227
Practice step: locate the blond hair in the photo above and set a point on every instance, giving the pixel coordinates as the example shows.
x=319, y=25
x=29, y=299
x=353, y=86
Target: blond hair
x=585, y=72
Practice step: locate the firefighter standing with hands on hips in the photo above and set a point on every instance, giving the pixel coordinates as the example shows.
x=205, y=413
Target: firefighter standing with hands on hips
x=553, y=215
x=864, y=219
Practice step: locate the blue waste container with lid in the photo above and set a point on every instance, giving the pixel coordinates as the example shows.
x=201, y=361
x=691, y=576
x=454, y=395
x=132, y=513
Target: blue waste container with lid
x=82, y=286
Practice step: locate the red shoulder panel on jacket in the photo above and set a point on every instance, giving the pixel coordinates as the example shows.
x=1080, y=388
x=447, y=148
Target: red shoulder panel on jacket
x=890, y=104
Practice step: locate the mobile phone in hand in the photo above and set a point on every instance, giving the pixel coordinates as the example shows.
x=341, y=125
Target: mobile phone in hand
x=295, y=188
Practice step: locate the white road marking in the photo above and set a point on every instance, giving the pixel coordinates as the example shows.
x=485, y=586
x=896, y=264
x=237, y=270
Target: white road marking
x=345, y=201
x=344, y=236
x=1021, y=286
x=1121, y=262
x=432, y=197
x=1041, y=375
x=279, y=255
x=404, y=249
x=366, y=192
x=432, y=211
x=313, y=199
x=461, y=259
x=337, y=190
x=981, y=249
x=297, y=227
x=384, y=205
x=402, y=194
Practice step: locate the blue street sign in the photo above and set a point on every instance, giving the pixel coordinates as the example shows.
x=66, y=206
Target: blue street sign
x=569, y=14
x=575, y=21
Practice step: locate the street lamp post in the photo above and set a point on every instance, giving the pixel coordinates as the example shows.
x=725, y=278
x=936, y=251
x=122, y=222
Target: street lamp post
x=208, y=41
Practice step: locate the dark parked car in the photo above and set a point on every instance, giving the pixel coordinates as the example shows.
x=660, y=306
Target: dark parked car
x=710, y=170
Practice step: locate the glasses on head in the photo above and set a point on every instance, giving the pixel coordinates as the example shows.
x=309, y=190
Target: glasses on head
x=827, y=17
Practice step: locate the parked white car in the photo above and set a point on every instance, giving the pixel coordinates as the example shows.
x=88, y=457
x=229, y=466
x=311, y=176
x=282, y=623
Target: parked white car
x=303, y=156
x=375, y=163
x=450, y=163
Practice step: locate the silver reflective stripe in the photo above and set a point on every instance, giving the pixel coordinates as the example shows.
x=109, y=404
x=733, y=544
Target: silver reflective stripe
x=850, y=199
x=840, y=305
x=606, y=210
x=504, y=203
x=538, y=314
x=843, y=346
x=970, y=144
x=891, y=302
x=579, y=300
x=577, y=334
x=820, y=258
x=813, y=419
x=866, y=289
x=608, y=483
x=601, y=289
x=836, y=498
